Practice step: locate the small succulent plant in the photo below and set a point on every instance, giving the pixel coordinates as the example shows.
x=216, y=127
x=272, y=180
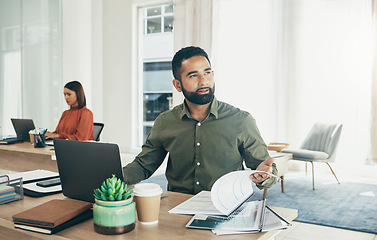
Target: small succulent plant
x=112, y=189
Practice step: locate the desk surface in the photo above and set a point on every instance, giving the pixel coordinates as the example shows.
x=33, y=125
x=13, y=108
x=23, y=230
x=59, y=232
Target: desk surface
x=21, y=157
x=27, y=147
x=170, y=226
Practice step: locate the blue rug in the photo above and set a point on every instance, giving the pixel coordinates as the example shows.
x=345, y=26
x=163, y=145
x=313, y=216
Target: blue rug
x=351, y=206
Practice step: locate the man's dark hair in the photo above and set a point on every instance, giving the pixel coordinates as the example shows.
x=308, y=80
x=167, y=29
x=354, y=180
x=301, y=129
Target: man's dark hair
x=77, y=87
x=183, y=54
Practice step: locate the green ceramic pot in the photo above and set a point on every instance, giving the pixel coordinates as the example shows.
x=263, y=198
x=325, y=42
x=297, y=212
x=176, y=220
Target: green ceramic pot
x=114, y=217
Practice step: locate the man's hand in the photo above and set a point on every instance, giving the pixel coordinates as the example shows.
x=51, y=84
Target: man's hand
x=265, y=166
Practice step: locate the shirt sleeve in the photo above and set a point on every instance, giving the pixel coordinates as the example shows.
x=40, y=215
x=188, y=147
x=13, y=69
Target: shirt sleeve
x=149, y=159
x=84, y=130
x=254, y=150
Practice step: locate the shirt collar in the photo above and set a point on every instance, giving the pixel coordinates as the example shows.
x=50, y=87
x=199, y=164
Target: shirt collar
x=213, y=109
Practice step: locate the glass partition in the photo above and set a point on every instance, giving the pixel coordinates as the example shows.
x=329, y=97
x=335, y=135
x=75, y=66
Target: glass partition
x=30, y=62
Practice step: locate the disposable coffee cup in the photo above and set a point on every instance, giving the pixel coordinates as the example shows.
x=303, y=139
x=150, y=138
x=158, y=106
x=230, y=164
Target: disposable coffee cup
x=31, y=138
x=147, y=198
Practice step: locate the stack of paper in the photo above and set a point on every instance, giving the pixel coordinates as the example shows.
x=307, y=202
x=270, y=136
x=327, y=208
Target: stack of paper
x=7, y=193
x=227, y=209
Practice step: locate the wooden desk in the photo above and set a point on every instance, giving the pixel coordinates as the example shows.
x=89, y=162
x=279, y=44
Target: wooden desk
x=170, y=226
x=24, y=157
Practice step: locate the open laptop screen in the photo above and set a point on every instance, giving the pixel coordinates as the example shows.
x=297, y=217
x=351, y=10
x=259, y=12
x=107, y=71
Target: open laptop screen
x=83, y=166
x=22, y=128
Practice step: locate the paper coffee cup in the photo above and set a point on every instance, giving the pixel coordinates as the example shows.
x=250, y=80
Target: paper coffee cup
x=31, y=138
x=147, y=198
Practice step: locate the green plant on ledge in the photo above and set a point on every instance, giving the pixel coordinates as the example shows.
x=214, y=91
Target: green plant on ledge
x=112, y=189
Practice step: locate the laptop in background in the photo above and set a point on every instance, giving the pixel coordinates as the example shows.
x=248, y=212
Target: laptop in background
x=83, y=166
x=22, y=128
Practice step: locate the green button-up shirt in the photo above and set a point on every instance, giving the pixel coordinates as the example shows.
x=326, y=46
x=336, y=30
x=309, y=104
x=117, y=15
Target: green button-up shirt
x=200, y=152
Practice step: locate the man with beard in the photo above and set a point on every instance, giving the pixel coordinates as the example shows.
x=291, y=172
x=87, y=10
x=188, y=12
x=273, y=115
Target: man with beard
x=205, y=138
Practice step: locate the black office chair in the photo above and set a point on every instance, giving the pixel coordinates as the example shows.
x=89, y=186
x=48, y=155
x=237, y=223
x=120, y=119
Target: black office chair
x=97, y=129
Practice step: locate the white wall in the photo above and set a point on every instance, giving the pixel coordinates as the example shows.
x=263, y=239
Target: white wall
x=77, y=42
x=92, y=29
x=118, y=69
x=243, y=60
x=329, y=71
x=97, y=51
x=82, y=49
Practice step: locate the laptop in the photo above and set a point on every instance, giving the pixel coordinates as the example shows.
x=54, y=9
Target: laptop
x=22, y=128
x=83, y=166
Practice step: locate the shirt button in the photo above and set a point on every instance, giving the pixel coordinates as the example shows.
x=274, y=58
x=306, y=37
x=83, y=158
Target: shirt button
x=199, y=124
x=198, y=144
x=197, y=183
x=198, y=163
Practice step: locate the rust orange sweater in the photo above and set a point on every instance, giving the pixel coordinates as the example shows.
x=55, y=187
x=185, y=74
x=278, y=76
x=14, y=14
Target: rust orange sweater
x=76, y=124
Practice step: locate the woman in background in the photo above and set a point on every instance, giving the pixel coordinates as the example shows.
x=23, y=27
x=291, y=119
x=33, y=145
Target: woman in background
x=77, y=122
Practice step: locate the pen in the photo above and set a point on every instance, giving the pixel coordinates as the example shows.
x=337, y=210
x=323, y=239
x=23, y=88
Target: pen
x=263, y=214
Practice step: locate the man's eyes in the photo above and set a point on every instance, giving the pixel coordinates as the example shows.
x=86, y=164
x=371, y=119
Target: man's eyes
x=195, y=75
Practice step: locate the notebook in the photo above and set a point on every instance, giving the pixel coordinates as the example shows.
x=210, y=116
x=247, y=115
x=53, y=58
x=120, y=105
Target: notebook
x=83, y=166
x=22, y=128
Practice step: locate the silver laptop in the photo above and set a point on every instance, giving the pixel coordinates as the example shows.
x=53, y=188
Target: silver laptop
x=83, y=166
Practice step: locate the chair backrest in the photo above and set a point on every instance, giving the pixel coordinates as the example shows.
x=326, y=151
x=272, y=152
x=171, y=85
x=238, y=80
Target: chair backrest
x=323, y=137
x=97, y=129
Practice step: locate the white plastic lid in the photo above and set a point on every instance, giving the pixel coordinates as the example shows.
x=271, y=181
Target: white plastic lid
x=147, y=189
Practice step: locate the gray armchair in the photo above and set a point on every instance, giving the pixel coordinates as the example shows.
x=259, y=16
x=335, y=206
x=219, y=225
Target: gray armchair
x=319, y=146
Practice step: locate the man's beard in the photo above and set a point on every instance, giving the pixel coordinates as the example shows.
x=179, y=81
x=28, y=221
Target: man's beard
x=199, y=99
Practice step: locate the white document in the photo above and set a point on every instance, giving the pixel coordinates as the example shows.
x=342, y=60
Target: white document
x=247, y=218
x=271, y=222
x=227, y=209
x=33, y=175
x=231, y=190
x=201, y=203
x=226, y=195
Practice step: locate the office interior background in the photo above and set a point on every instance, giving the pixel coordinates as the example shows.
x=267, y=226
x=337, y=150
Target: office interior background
x=290, y=63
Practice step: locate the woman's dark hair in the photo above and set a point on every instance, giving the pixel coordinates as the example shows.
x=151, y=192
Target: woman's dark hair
x=183, y=54
x=79, y=90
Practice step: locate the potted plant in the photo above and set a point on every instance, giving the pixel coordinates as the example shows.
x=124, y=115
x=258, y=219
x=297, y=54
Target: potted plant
x=114, y=208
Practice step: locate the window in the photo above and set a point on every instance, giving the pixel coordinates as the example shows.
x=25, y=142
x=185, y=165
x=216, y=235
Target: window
x=158, y=19
x=157, y=94
x=157, y=44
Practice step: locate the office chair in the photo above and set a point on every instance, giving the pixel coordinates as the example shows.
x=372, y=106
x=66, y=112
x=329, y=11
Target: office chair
x=319, y=146
x=97, y=129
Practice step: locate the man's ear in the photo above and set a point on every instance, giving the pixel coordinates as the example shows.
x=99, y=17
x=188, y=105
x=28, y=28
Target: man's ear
x=177, y=85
